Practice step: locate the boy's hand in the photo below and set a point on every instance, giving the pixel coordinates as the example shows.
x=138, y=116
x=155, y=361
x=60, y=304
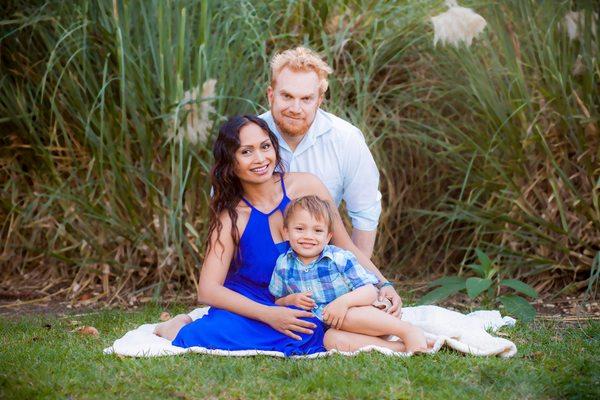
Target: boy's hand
x=335, y=312
x=300, y=300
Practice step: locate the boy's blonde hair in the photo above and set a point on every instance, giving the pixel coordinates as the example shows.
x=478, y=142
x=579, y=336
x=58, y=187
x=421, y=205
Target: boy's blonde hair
x=301, y=59
x=319, y=209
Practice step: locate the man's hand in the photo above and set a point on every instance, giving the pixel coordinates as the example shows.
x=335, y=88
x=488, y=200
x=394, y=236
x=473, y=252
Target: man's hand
x=300, y=300
x=389, y=292
x=335, y=312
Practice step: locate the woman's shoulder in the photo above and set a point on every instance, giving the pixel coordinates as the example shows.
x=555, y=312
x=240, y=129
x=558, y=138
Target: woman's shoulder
x=243, y=214
x=291, y=177
x=300, y=184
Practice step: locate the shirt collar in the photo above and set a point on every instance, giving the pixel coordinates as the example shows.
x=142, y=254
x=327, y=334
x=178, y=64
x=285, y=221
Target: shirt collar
x=321, y=125
x=327, y=252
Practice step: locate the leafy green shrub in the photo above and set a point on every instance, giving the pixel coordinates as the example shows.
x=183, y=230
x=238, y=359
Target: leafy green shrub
x=487, y=284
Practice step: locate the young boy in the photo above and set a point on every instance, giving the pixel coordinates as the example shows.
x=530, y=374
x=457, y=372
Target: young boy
x=315, y=276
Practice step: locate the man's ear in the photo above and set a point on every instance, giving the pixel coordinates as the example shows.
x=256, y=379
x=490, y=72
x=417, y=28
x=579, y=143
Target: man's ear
x=321, y=97
x=270, y=94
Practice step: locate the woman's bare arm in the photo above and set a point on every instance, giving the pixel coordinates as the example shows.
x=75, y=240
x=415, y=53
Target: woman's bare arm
x=213, y=273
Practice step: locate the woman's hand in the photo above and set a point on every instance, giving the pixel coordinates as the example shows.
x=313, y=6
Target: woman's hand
x=335, y=313
x=300, y=300
x=287, y=321
x=390, y=293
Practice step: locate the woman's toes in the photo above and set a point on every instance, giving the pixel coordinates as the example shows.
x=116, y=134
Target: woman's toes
x=184, y=318
x=420, y=350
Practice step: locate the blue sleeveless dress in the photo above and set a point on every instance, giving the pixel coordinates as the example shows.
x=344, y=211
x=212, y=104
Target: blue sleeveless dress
x=249, y=275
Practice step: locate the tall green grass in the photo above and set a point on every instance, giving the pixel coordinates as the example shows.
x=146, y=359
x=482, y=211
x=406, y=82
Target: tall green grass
x=522, y=144
x=493, y=146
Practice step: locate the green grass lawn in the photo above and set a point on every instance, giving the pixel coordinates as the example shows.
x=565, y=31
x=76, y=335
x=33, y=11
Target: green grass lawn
x=41, y=358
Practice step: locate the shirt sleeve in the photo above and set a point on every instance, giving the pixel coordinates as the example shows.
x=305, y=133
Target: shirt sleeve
x=361, y=183
x=356, y=275
x=277, y=284
x=366, y=220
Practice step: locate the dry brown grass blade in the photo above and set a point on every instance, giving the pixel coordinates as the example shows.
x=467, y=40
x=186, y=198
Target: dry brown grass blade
x=34, y=301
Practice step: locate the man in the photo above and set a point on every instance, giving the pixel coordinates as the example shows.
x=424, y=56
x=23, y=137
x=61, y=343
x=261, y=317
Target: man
x=315, y=141
x=312, y=140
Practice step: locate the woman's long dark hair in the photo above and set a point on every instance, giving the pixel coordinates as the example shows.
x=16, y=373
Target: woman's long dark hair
x=227, y=188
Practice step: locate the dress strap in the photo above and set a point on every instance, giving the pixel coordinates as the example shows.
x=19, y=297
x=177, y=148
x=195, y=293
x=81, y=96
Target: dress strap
x=283, y=185
x=247, y=202
x=285, y=200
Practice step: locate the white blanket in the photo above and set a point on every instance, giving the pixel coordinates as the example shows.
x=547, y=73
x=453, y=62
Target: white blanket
x=465, y=333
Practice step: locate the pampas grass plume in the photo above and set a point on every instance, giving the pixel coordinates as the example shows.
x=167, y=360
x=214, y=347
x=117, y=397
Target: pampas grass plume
x=458, y=24
x=574, y=22
x=198, y=107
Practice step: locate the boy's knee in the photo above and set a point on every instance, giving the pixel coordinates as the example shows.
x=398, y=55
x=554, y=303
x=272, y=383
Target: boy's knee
x=356, y=314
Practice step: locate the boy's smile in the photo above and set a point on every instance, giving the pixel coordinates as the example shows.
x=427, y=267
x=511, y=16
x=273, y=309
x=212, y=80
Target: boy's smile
x=307, y=235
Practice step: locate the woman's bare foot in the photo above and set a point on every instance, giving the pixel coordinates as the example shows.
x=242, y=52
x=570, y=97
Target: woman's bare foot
x=170, y=328
x=430, y=343
x=349, y=341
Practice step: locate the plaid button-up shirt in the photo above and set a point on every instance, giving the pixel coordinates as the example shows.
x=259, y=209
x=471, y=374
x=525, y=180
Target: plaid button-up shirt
x=334, y=273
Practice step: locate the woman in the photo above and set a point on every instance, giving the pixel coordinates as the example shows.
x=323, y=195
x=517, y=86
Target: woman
x=246, y=226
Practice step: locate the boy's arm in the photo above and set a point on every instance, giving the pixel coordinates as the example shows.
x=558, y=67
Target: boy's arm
x=281, y=290
x=277, y=285
x=301, y=300
x=283, y=301
x=362, y=296
x=356, y=275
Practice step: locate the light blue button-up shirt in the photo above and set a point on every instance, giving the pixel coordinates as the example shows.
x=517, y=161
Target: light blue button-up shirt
x=336, y=152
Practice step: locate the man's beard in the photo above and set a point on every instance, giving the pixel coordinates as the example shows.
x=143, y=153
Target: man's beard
x=291, y=129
